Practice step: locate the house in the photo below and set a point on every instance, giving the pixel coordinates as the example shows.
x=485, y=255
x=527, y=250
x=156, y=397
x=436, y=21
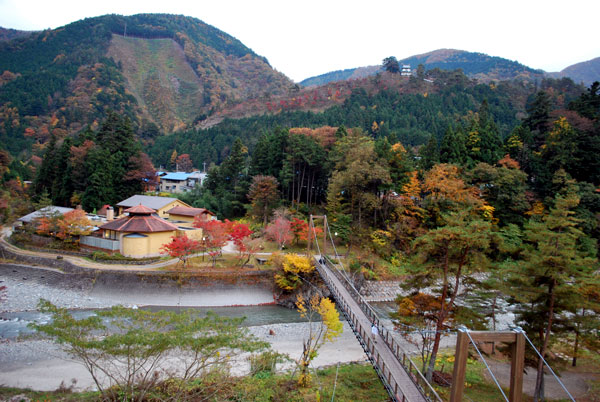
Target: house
x=50, y=210
x=139, y=234
x=178, y=182
x=185, y=216
x=160, y=204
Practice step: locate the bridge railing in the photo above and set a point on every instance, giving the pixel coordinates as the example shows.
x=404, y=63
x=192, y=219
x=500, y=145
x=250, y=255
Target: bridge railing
x=400, y=354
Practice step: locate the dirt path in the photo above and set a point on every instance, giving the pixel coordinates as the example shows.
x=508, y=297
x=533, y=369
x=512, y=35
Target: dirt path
x=574, y=382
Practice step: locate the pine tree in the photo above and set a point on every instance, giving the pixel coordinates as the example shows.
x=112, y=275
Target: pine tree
x=550, y=274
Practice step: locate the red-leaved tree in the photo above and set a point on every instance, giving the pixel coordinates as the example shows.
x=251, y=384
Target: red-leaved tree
x=215, y=235
x=238, y=233
x=280, y=231
x=181, y=247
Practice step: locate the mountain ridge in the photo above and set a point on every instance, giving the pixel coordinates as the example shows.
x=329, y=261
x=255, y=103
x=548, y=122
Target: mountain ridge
x=480, y=66
x=59, y=81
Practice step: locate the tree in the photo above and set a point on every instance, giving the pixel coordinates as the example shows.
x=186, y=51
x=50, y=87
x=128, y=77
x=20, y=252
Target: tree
x=325, y=330
x=129, y=352
x=280, y=231
x=391, y=65
x=181, y=247
x=292, y=270
x=447, y=259
x=73, y=223
x=552, y=270
x=238, y=233
x=358, y=179
x=263, y=195
x=184, y=163
x=214, y=234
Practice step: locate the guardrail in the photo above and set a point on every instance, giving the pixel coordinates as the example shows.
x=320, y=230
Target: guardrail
x=384, y=373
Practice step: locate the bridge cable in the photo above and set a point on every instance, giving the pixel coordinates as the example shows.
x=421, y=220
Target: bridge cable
x=466, y=330
x=518, y=329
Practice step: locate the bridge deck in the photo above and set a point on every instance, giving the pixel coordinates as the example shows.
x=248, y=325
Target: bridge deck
x=384, y=353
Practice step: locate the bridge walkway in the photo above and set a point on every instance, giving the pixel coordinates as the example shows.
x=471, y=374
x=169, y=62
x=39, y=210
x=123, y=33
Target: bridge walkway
x=402, y=379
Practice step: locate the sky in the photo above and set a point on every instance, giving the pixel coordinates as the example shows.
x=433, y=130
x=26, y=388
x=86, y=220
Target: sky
x=306, y=38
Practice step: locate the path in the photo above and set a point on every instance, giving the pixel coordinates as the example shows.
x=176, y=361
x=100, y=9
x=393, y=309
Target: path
x=382, y=353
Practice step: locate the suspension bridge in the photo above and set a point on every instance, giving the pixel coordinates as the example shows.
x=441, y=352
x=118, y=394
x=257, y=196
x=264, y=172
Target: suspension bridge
x=394, y=366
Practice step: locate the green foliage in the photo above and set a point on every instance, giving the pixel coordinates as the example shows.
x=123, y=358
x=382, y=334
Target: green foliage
x=132, y=348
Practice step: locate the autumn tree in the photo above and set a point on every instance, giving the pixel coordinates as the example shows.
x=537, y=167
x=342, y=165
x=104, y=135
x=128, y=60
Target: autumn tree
x=184, y=163
x=447, y=260
x=263, y=196
x=73, y=223
x=324, y=326
x=181, y=247
x=280, y=231
x=214, y=234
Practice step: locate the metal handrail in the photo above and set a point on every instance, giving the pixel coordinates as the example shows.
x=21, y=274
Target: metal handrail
x=400, y=354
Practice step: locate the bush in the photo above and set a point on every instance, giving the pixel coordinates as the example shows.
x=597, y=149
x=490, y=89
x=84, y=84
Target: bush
x=135, y=350
x=265, y=364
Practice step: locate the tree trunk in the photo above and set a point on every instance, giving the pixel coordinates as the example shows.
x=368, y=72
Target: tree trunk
x=576, y=347
x=538, y=395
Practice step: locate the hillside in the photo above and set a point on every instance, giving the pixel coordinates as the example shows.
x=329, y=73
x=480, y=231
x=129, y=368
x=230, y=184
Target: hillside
x=9, y=34
x=163, y=71
x=586, y=72
x=475, y=65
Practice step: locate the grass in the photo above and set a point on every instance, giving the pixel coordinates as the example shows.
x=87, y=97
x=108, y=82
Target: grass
x=355, y=382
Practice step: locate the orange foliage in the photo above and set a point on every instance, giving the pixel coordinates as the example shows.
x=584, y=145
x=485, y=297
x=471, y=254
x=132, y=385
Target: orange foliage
x=443, y=182
x=509, y=162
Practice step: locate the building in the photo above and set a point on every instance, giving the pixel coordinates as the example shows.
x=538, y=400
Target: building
x=160, y=204
x=184, y=216
x=405, y=70
x=178, y=182
x=48, y=211
x=139, y=234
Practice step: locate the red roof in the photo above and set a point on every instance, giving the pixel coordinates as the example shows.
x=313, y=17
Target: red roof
x=139, y=223
x=140, y=210
x=188, y=211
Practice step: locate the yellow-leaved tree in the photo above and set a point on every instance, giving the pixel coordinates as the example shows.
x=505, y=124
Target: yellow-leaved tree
x=325, y=330
x=291, y=270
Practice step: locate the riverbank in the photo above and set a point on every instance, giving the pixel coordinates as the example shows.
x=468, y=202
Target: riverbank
x=25, y=285
x=42, y=365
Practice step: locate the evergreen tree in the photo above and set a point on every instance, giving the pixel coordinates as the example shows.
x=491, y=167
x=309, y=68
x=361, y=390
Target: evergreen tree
x=550, y=274
x=429, y=154
x=453, y=147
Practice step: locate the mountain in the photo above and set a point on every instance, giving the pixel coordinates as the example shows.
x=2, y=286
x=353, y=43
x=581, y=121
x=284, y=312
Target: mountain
x=163, y=71
x=9, y=34
x=475, y=65
x=586, y=72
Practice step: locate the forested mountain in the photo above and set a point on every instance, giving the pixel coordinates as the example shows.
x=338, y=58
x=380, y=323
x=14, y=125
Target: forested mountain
x=586, y=72
x=162, y=71
x=475, y=65
x=405, y=109
x=8, y=34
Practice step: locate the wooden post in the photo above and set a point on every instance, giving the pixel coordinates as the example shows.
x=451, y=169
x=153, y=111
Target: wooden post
x=324, y=253
x=516, y=368
x=460, y=366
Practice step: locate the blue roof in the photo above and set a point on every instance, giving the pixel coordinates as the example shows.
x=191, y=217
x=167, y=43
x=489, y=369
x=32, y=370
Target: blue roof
x=180, y=176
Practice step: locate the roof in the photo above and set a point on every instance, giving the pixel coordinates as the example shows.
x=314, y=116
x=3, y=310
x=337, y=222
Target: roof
x=188, y=211
x=150, y=201
x=46, y=211
x=139, y=223
x=177, y=176
x=140, y=210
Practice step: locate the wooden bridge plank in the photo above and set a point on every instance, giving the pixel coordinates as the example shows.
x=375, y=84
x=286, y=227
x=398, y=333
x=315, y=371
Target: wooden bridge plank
x=400, y=380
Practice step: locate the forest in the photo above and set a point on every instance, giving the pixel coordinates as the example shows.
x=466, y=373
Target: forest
x=495, y=206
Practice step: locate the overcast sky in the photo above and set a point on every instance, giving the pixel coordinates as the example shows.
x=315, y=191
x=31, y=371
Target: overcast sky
x=306, y=38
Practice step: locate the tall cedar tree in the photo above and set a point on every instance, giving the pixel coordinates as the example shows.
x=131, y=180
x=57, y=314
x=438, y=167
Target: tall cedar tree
x=263, y=196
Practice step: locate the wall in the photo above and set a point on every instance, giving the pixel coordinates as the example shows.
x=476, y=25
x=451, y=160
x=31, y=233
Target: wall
x=162, y=212
x=136, y=247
